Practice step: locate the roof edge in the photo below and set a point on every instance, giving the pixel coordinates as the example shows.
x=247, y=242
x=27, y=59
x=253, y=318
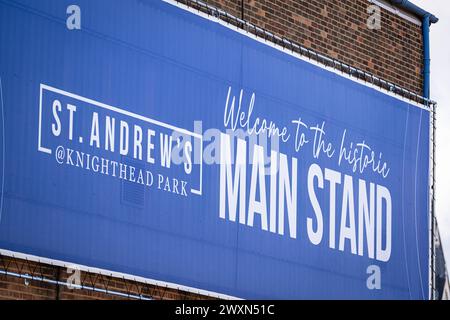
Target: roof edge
x=411, y=7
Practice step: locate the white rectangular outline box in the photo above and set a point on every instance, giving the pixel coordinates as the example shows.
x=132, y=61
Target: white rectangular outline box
x=121, y=111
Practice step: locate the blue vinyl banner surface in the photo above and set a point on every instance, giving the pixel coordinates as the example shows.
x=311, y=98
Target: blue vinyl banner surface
x=142, y=138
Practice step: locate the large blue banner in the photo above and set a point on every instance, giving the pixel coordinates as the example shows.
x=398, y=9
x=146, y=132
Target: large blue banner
x=142, y=138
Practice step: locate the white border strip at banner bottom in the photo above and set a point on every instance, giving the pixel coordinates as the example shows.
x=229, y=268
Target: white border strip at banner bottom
x=114, y=274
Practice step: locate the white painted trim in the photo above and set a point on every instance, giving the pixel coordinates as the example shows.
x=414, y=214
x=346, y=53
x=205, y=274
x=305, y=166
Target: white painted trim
x=399, y=12
x=121, y=111
x=291, y=53
x=120, y=275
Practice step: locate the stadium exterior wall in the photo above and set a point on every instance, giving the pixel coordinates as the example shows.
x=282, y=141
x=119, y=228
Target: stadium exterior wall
x=335, y=28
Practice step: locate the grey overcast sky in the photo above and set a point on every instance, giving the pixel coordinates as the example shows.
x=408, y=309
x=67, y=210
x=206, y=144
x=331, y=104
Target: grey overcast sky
x=440, y=91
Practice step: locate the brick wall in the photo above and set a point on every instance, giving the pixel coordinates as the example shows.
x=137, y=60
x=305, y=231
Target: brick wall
x=15, y=288
x=336, y=28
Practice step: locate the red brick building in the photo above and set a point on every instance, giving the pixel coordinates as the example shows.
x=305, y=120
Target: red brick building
x=334, y=32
